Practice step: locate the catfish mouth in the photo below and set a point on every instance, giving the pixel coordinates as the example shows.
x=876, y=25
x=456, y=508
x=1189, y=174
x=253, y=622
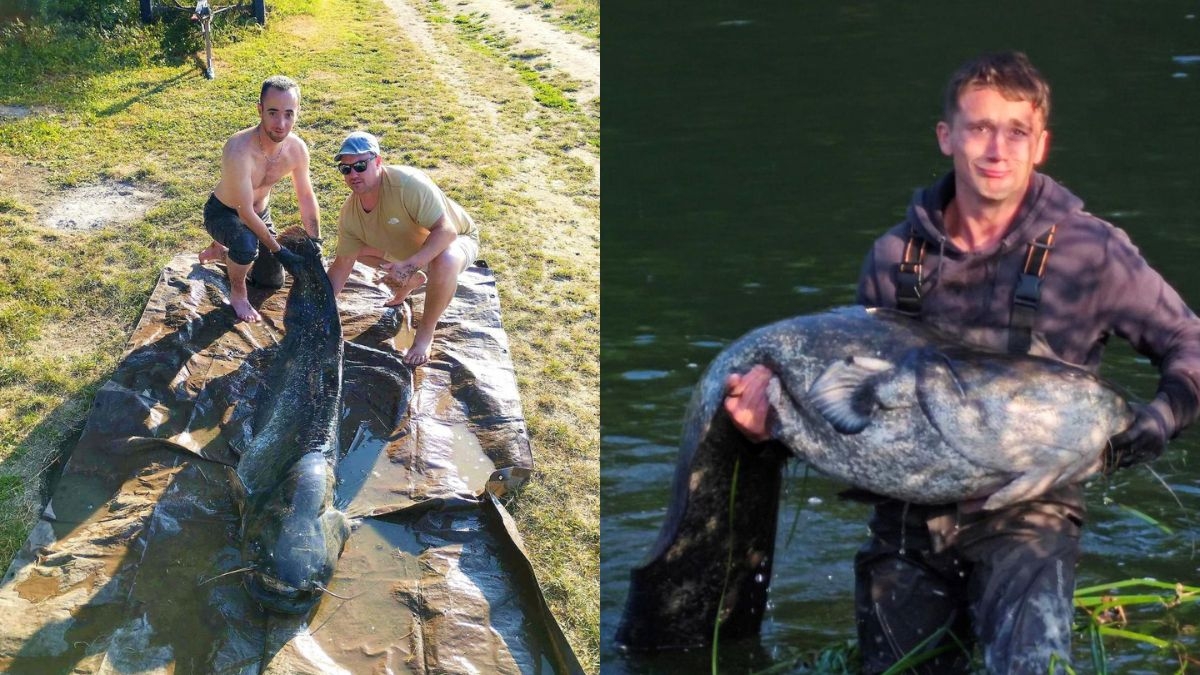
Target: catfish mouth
x=277, y=596
x=298, y=242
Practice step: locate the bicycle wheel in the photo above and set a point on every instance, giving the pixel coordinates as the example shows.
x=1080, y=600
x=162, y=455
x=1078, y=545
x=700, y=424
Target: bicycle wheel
x=147, y=7
x=259, y=7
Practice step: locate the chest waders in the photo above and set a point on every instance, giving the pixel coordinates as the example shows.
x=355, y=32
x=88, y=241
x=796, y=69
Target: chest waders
x=1026, y=296
x=985, y=585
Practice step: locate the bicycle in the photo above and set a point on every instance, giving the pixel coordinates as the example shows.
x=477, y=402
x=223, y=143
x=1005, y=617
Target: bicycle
x=203, y=13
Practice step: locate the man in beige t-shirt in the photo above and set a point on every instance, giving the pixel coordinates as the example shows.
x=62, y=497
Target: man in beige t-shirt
x=397, y=220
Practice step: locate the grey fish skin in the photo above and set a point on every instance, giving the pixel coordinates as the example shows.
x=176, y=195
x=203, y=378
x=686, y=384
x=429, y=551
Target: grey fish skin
x=875, y=399
x=292, y=535
x=932, y=421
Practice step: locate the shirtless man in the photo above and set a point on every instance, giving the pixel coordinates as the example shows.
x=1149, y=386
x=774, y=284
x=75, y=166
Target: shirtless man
x=237, y=214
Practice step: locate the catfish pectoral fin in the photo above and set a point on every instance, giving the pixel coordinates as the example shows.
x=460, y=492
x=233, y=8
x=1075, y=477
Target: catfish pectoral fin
x=1026, y=486
x=844, y=394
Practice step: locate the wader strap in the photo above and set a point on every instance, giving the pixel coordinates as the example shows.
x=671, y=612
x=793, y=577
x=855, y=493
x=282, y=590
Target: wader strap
x=1029, y=293
x=908, y=275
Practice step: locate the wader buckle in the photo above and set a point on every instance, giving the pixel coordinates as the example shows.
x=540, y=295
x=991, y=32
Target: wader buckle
x=908, y=277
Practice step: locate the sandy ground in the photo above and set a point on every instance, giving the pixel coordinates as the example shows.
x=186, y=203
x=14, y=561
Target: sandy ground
x=17, y=111
x=21, y=112
x=93, y=206
x=85, y=207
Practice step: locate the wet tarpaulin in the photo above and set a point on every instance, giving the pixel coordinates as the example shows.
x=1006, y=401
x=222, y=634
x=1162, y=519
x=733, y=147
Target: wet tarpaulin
x=133, y=567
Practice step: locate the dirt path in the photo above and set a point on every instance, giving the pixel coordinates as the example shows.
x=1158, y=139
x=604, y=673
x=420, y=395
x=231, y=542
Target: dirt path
x=574, y=54
x=531, y=176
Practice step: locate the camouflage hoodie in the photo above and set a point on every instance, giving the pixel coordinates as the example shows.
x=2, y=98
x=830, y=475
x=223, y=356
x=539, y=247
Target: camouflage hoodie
x=1096, y=285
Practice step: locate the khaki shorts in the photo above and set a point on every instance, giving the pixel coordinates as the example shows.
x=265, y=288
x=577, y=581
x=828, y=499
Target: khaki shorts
x=465, y=244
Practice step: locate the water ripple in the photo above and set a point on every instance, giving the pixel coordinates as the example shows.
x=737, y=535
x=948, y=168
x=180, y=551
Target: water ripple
x=644, y=375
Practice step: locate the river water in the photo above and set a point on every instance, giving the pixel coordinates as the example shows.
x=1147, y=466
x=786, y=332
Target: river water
x=752, y=153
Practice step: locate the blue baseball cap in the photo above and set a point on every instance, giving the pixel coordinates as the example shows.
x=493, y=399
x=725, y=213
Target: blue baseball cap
x=358, y=143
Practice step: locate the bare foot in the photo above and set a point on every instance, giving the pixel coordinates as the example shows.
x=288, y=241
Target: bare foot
x=419, y=352
x=400, y=292
x=214, y=253
x=244, y=310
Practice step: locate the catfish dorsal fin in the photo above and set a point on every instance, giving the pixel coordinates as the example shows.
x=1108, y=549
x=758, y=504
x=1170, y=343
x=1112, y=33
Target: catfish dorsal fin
x=843, y=393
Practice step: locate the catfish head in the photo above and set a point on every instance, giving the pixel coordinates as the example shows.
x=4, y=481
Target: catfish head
x=311, y=301
x=298, y=252
x=292, y=537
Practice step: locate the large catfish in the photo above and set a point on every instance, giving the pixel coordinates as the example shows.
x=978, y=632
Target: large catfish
x=873, y=398
x=292, y=535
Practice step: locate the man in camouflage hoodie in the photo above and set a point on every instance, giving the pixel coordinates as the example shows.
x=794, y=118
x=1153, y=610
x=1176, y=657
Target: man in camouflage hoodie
x=1006, y=258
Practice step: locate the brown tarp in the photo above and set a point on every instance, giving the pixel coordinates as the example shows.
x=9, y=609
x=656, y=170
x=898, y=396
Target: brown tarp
x=133, y=565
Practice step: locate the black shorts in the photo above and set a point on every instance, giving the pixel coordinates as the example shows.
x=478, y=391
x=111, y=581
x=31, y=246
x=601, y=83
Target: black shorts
x=227, y=228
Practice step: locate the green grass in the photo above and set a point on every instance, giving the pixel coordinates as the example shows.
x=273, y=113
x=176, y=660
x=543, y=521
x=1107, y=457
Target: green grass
x=581, y=16
x=117, y=100
x=1139, y=621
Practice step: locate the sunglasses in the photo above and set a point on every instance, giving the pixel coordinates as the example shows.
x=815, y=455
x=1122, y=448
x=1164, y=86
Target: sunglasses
x=359, y=166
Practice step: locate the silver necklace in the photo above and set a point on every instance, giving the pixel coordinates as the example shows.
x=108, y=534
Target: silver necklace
x=258, y=138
